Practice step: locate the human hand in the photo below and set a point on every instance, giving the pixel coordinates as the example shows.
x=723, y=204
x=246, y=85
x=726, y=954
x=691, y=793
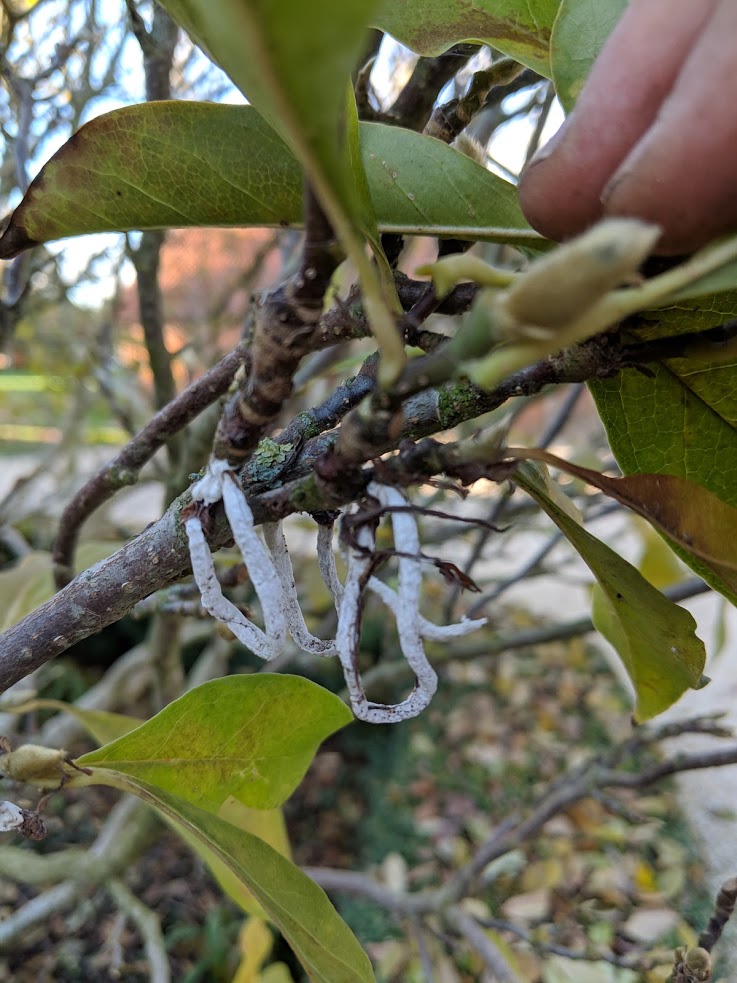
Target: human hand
x=654, y=132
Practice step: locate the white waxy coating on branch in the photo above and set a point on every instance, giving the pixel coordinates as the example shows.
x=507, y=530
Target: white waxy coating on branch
x=326, y=563
x=277, y=546
x=11, y=816
x=220, y=482
x=407, y=540
x=388, y=596
x=215, y=603
x=428, y=629
x=347, y=639
x=256, y=557
x=347, y=636
x=271, y=573
x=209, y=489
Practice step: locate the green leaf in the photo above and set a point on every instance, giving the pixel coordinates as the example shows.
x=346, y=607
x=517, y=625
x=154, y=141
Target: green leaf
x=519, y=28
x=292, y=62
x=679, y=420
x=681, y=417
x=102, y=725
x=579, y=33
x=320, y=939
x=421, y=186
x=251, y=737
x=267, y=824
x=654, y=638
x=193, y=163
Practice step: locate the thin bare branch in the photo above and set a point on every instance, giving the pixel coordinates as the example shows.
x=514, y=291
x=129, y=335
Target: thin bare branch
x=414, y=103
x=124, y=469
x=128, y=829
x=477, y=938
x=286, y=327
x=450, y=119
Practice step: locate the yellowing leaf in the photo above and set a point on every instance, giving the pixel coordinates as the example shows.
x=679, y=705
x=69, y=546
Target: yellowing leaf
x=644, y=878
x=320, y=939
x=655, y=638
x=250, y=737
x=689, y=514
x=657, y=563
x=276, y=973
x=30, y=582
x=103, y=725
x=255, y=942
x=25, y=586
x=542, y=874
x=268, y=825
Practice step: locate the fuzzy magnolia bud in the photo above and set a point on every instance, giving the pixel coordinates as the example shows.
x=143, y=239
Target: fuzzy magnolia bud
x=692, y=965
x=34, y=764
x=470, y=147
x=559, y=288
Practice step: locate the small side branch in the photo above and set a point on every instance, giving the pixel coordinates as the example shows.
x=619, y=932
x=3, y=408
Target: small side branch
x=125, y=468
x=430, y=75
x=477, y=938
x=450, y=119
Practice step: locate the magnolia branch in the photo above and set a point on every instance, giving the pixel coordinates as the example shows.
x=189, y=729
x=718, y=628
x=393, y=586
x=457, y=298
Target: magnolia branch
x=312, y=483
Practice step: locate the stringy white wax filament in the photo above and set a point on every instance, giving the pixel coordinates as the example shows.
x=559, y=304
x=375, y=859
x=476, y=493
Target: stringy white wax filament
x=271, y=573
x=404, y=604
x=428, y=629
x=277, y=545
x=221, y=483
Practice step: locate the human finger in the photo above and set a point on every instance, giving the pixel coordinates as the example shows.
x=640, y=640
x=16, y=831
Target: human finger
x=560, y=190
x=682, y=173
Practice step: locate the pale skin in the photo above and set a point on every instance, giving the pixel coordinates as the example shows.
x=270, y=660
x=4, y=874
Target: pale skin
x=654, y=132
